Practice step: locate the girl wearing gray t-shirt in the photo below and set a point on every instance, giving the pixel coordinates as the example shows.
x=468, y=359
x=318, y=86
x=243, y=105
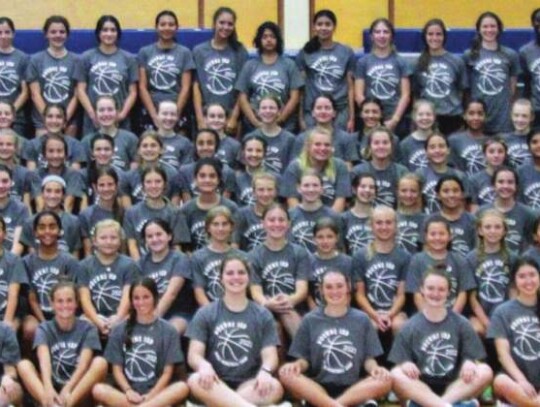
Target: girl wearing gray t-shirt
x=436, y=353
x=144, y=352
x=514, y=327
x=65, y=348
x=335, y=347
x=233, y=345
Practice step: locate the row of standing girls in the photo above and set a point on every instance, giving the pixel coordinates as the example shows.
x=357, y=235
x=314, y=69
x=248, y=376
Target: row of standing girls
x=218, y=71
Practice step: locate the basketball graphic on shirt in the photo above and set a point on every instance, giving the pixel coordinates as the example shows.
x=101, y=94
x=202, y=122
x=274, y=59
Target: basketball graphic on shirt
x=385, y=195
x=64, y=361
x=233, y=345
x=492, y=77
x=327, y=73
x=518, y=154
x=214, y=289
x=164, y=72
x=278, y=279
x=513, y=238
x=255, y=236
x=474, y=158
x=440, y=354
x=220, y=77
x=43, y=282
x=246, y=196
x=493, y=281
x=381, y=284
x=9, y=80
x=526, y=343
x=337, y=349
x=430, y=197
x=268, y=82
x=407, y=236
x=532, y=195
x=56, y=88
x=384, y=82
x=106, y=295
x=438, y=80
x=3, y=293
x=272, y=162
x=107, y=78
x=141, y=361
x=303, y=233
x=358, y=236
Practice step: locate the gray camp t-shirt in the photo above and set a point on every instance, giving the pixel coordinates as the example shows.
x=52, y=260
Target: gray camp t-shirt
x=358, y=231
x=466, y=152
x=12, y=271
x=44, y=274
x=492, y=274
x=258, y=79
x=107, y=282
x=164, y=68
x=529, y=187
x=302, y=223
x=175, y=264
x=460, y=274
x=336, y=348
x=56, y=78
x=65, y=347
x=136, y=217
x=107, y=74
x=413, y=153
x=13, y=66
x=194, y=218
x=442, y=83
x=248, y=230
x=319, y=266
x=234, y=340
x=382, y=78
x=326, y=72
x=410, y=231
x=518, y=149
x=530, y=62
x=205, y=266
x=153, y=347
x=438, y=349
x=386, y=179
x=339, y=187
x=217, y=72
x=482, y=191
x=9, y=347
x=125, y=148
x=279, y=150
x=489, y=78
x=15, y=213
x=519, y=324
x=382, y=273
x=277, y=271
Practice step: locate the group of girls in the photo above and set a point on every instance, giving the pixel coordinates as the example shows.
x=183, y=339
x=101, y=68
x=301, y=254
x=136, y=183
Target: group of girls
x=219, y=71
x=189, y=237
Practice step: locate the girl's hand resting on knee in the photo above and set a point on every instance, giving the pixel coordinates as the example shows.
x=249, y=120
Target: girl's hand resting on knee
x=410, y=370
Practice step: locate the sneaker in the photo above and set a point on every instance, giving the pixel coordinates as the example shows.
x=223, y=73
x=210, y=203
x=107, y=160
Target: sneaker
x=487, y=396
x=392, y=398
